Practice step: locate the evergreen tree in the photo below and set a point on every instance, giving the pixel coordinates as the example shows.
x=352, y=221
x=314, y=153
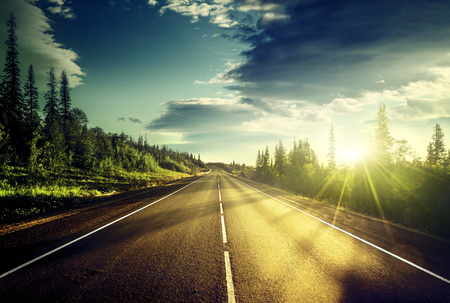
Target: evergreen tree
x=438, y=144
x=280, y=158
x=65, y=101
x=11, y=103
x=332, y=149
x=31, y=95
x=54, y=150
x=431, y=159
x=266, y=158
x=4, y=143
x=51, y=106
x=382, y=140
x=259, y=160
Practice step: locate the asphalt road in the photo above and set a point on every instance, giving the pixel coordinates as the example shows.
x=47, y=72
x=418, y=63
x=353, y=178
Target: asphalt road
x=218, y=240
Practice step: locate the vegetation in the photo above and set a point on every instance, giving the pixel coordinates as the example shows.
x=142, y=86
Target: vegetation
x=46, y=163
x=388, y=182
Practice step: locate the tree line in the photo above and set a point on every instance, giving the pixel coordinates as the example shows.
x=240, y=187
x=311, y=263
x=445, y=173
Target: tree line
x=62, y=139
x=389, y=181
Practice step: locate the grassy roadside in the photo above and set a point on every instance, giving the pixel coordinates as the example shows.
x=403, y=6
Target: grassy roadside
x=337, y=209
x=23, y=197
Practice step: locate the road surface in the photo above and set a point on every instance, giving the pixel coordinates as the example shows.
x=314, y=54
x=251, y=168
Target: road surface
x=218, y=240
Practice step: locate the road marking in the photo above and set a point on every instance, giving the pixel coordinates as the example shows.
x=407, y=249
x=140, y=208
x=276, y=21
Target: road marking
x=230, y=287
x=224, y=232
x=221, y=209
x=220, y=196
x=218, y=185
x=356, y=237
x=90, y=233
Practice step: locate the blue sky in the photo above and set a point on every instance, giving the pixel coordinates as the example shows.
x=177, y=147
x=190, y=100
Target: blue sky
x=225, y=78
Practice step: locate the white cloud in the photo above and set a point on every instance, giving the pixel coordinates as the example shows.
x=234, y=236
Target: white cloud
x=58, y=2
x=344, y=105
x=152, y=2
x=272, y=18
x=420, y=100
x=37, y=45
x=218, y=13
x=61, y=9
x=257, y=5
x=222, y=77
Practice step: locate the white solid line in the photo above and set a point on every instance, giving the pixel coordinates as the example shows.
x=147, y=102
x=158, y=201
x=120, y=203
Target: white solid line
x=221, y=209
x=220, y=196
x=90, y=233
x=224, y=232
x=230, y=287
x=356, y=237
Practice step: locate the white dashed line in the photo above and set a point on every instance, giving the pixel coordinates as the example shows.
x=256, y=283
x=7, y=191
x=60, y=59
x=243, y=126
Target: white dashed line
x=230, y=287
x=224, y=232
x=220, y=196
x=221, y=209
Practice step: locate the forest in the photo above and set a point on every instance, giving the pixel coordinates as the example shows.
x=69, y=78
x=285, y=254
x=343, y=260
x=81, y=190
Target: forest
x=388, y=182
x=49, y=158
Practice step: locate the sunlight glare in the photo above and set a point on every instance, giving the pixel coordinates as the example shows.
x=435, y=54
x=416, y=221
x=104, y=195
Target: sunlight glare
x=351, y=155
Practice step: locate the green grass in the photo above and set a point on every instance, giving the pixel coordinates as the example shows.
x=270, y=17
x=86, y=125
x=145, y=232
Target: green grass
x=22, y=195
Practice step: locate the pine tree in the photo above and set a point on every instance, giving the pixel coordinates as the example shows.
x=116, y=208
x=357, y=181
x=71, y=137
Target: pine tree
x=65, y=101
x=258, y=160
x=382, y=141
x=438, y=144
x=11, y=102
x=280, y=158
x=332, y=149
x=31, y=97
x=431, y=159
x=266, y=158
x=51, y=106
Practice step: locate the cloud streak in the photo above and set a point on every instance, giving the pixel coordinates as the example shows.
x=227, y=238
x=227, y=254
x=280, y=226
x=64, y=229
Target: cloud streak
x=37, y=45
x=134, y=120
x=60, y=9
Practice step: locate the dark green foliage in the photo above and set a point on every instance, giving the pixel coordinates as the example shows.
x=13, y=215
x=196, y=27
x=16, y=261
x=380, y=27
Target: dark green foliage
x=51, y=108
x=64, y=98
x=11, y=99
x=31, y=96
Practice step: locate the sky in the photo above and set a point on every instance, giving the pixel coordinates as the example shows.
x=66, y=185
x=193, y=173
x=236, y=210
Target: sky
x=227, y=78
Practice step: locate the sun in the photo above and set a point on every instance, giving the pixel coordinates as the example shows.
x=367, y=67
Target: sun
x=350, y=154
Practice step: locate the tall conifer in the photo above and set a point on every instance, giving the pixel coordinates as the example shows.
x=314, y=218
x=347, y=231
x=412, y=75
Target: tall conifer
x=64, y=94
x=31, y=95
x=11, y=102
x=51, y=106
x=439, y=150
x=332, y=149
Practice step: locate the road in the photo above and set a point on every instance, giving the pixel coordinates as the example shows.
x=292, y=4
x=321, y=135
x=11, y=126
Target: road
x=218, y=240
